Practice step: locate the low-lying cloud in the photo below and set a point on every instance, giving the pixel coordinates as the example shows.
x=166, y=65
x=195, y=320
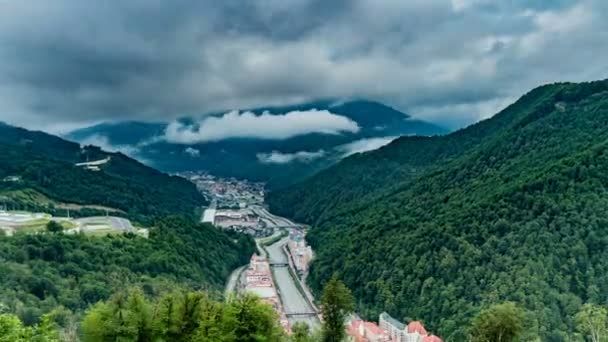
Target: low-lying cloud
x=364, y=145
x=277, y=157
x=192, y=152
x=237, y=124
x=336, y=153
x=104, y=143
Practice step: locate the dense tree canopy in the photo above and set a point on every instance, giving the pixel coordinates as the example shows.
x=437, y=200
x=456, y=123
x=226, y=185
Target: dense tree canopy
x=40, y=272
x=511, y=209
x=46, y=164
x=181, y=317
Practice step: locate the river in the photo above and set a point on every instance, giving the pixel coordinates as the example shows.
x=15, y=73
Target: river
x=291, y=297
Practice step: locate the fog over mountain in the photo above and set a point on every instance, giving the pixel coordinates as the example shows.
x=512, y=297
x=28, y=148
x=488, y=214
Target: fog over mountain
x=278, y=145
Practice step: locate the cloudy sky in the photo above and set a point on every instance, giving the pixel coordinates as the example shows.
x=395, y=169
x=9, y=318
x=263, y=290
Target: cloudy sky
x=68, y=63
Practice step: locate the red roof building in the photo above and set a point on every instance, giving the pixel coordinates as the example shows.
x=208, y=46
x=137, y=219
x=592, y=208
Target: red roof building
x=362, y=331
x=416, y=327
x=431, y=338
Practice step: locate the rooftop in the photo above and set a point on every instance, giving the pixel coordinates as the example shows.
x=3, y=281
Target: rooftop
x=417, y=327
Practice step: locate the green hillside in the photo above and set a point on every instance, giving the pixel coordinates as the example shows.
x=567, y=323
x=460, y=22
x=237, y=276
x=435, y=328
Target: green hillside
x=46, y=164
x=512, y=208
x=45, y=271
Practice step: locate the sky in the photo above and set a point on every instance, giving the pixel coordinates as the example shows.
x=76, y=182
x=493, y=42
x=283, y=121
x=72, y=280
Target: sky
x=71, y=63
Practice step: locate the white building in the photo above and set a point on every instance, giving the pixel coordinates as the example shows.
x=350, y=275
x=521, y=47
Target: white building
x=399, y=332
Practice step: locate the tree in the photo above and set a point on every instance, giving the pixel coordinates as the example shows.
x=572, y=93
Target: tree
x=124, y=318
x=252, y=320
x=301, y=332
x=592, y=322
x=336, y=303
x=12, y=330
x=54, y=227
x=498, y=323
x=181, y=316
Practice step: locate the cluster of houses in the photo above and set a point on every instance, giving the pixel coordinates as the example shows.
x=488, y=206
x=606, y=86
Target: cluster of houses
x=258, y=280
x=388, y=330
x=240, y=220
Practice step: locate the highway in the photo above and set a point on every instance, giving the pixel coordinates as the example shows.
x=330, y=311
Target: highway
x=272, y=219
x=293, y=300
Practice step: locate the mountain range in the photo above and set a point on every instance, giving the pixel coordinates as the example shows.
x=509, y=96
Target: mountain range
x=263, y=149
x=513, y=208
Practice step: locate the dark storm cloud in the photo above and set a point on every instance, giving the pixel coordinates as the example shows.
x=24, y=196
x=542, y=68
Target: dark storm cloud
x=67, y=63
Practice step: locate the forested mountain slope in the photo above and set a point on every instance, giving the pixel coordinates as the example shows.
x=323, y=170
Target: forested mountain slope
x=357, y=180
x=514, y=208
x=46, y=164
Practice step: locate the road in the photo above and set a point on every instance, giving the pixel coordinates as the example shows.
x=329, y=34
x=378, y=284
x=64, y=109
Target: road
x=233, y=280
x=272, y=219
x=293, y=300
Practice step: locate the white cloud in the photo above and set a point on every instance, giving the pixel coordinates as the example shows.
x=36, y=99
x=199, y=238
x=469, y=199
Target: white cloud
x=192, y=152
x=453, y=116
x=277, y=157
x=103, y=142
x=266, y=126
x=461, y=5
x=555, y=25
x=364, y=145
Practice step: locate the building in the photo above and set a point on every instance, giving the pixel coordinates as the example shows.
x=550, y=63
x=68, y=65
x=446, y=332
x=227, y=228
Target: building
x=258, y=280
x=399, y=332
x=209, y=216
x=415, y=332
x=94, y=165
x=300, y=252
x=236, y=218
x=12, y=179
x=394, y=328
x=362, y=331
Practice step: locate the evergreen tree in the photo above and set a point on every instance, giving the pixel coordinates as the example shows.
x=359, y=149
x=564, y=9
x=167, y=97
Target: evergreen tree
x=336, y=303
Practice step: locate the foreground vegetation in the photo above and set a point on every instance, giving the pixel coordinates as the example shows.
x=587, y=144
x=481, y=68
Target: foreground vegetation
x=131, y=315
x=510, y=209
x=41, y=272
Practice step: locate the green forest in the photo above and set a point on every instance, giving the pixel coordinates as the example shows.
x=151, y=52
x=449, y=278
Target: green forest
x=39, y=273
x=514, y=208
x=45, y=164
